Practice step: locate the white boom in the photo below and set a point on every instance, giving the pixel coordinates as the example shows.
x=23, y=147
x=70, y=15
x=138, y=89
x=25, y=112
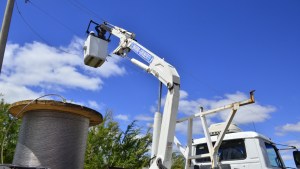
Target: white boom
x=158, y=67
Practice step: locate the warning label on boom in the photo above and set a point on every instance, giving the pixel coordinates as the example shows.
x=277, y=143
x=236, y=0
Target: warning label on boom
x=141, y=52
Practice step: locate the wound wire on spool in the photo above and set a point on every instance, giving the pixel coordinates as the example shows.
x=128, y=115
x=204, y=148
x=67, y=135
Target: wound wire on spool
x=53, y=134
x=17, y=115
x=52, y=139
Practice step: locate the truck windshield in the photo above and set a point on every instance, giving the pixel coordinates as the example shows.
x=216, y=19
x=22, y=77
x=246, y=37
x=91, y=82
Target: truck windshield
x=229, y=150
x=273, y=155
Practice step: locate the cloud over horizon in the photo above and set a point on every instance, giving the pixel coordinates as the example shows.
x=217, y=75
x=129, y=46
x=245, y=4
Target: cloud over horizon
x=33, y=69
x=254, y=112
x=287, y=128
x=246, y=114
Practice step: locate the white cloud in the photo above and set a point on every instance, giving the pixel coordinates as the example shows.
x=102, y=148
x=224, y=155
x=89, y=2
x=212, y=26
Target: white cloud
x=287, y=156
x=291, y=127
x=254, y=112
x=197, y=126
x=189, y=107
x=122, y=117
x=144, y=118
x=153, y=109
x=251, y=113
x=149, y=124
x=94, y=104
x=246, y=114
x=31, y=69
x=288, y=128
x=295, y=143
x=12, y=92
x=183, y=94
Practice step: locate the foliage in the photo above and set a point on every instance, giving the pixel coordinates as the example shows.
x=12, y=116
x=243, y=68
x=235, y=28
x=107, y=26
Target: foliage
x=9, y=133
x=178, y=161
x=108, y=146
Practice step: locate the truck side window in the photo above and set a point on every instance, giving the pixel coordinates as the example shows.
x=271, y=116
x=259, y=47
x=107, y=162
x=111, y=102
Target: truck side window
x=202, y=149
x=273, y=156
x=229, y=150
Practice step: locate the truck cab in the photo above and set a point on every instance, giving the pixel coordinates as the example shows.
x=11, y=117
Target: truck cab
x=239, y=150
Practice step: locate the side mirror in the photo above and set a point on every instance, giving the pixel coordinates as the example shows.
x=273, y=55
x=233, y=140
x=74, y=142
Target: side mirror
x=296, y=155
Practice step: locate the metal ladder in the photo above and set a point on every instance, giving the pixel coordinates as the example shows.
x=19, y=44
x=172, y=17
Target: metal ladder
x=213, y=149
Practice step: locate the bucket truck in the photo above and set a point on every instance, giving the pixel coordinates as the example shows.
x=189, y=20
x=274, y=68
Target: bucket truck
x=255, y=150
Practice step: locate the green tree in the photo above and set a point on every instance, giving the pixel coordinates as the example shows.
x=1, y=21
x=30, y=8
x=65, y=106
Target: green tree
x=108, y=146
x=9, y=133
x=178, y=161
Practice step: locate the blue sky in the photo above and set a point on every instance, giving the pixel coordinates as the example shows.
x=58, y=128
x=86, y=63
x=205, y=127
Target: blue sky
x=221, y=49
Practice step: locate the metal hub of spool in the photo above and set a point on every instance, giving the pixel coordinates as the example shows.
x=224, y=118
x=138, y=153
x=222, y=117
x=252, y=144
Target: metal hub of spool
x=53, y=134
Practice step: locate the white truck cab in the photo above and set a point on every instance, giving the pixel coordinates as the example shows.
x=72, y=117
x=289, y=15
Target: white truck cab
x=239, y=150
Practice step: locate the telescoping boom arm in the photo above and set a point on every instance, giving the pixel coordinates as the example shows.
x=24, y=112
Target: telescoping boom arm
x=156, y=66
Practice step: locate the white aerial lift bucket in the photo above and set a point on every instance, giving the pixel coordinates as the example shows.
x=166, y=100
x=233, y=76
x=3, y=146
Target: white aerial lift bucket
x=95, y=51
